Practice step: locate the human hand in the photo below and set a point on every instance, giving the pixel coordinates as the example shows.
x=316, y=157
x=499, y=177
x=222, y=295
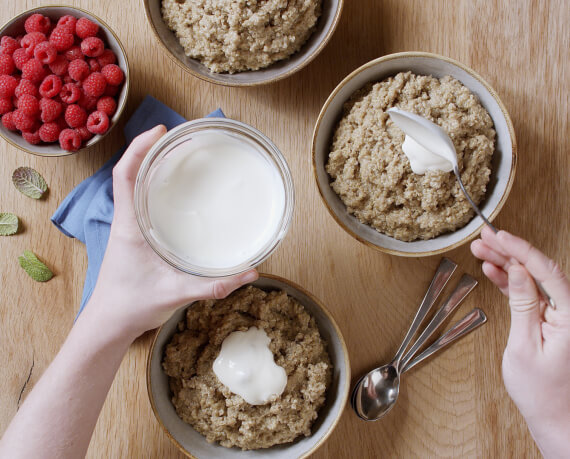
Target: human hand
x=137, y=290
x=536, y=361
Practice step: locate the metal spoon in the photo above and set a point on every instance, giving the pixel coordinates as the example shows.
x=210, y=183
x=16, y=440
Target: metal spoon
x=444, y=271
x=466, y=325
x=434, y=139
x=378, y=390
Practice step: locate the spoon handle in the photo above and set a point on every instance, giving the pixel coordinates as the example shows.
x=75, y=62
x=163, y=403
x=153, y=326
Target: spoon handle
x=465, y=285
x=466, y=325
x=444, y=271
x=544, y=293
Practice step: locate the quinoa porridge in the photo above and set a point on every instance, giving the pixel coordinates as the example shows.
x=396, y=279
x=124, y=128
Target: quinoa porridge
x=202, y=401
x=233, y=36
x=372, y=175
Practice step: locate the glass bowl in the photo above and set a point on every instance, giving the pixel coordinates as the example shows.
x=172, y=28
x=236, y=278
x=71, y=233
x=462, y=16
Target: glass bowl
x=159, y=154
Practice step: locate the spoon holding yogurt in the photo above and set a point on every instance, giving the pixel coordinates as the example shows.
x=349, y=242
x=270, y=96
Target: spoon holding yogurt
x=428, y=147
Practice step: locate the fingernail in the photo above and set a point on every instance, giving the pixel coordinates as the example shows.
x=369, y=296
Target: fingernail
x=250, y=276
x=517, y=276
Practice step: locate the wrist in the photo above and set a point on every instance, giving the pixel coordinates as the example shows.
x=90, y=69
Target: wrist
x=97, y=322
x=551, y=435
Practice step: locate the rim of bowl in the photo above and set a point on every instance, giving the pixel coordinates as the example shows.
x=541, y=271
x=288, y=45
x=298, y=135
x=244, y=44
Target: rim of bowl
x=491, y=91
x=270, y=150
x=325, y=310
x=303, y=63
x=126, y=87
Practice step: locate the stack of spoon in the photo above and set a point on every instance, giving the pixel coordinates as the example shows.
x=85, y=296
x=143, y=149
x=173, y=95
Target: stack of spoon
x=376, y=392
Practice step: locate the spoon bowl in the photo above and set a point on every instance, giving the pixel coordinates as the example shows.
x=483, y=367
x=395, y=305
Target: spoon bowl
x=376, y=393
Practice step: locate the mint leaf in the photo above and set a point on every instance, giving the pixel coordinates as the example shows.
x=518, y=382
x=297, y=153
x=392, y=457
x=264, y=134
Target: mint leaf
x=34, y=267
x=29, y=182
x=8, y=224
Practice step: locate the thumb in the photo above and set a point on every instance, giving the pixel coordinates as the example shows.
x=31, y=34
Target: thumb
x=525, y=309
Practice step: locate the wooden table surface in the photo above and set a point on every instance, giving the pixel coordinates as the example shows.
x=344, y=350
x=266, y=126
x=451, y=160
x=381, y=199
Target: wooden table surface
x=456, y=404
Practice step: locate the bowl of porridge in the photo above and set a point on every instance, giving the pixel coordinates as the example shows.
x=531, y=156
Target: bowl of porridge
x=365, y=178
x=243, y=43
x=304, y=383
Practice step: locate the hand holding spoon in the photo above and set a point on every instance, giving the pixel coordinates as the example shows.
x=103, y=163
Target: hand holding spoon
x=432, y=140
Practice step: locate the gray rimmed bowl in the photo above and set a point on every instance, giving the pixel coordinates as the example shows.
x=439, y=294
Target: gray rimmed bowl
x=195, y=445
x=503, y=162
x=326, y=25
x=15, y=26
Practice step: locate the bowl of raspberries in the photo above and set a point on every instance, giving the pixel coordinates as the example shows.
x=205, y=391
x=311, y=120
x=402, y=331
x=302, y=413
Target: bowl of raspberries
x=64, y=79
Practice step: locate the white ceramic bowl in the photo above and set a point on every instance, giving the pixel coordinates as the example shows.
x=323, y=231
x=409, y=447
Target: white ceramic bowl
x=331, y=11
x=194, y=444
x=503, y=164
x=15, y=26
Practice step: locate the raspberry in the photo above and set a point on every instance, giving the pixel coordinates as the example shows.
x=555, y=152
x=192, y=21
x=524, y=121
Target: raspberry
x=113, y=74
x=51, y=86
x=6, y=64
x=31, y=40
x=32, y=137
x=84, y=133
x=45, y=52
x=49, y=132
x=51, y=109
x=37, y=23
x=111, y=91
x=92, y=47
x=20, y=57
x=23, y=121
x=94, y=65
x=8, y=85
x=107, y=105
x=108, y=57
x=98, y=122
x=94, y=84
x=26, y=87
x=74, y=53
x=85, y=28
x=33, y=70
x=70, y=93
x=78, y=69
x=87, y=102
x=5, y=105
x=68, y=79
x=8, y=45
x=69, y=140
x=61, y=39
x=59, y=66
x=28, y=105
x=67, y=23
x=75, y=116
x=8, y=121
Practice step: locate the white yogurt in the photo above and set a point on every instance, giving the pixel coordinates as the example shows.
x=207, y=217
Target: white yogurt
x=215, y=200
x=427, y=145
x=246, y=367
x=422, y=159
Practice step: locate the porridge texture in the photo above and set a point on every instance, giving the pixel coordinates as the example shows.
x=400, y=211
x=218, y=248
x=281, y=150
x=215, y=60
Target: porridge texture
x=372, y=175
x=221, y=416
x=237, y=35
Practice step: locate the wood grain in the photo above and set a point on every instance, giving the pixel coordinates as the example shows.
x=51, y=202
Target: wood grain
x=453, y=406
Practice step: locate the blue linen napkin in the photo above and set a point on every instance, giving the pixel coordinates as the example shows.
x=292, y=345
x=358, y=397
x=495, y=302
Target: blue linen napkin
x=87, y=212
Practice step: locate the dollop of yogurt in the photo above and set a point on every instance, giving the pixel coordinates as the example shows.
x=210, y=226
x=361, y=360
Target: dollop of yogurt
x=423, y=160
x=246, y=367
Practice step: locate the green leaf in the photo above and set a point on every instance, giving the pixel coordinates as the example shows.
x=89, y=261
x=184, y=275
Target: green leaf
x=8, y=224
x=34, y=267
x=29, y=182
